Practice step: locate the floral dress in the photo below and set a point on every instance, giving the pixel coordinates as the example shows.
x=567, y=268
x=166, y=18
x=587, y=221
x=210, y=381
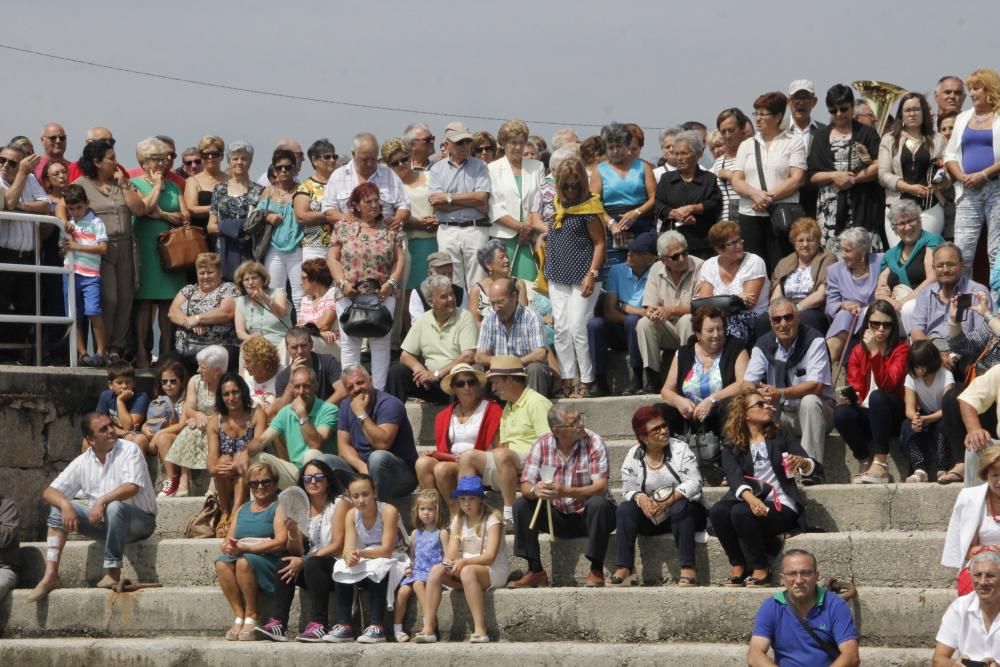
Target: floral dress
x=848, y=155
x=197, y=303
x=367, y=254
x=190, y=449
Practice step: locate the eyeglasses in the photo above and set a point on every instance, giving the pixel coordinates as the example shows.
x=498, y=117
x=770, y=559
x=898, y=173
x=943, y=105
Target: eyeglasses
x=327, y=156
x=56, y=137
x=208, y=155
x=427, y=140
x=571, y=186
x=462, y=384
x=676, y=256
x=158, y=158
x=169, y=381
x=400, y=162
x=762, y=114
x=778, y=319
x=880, y=324
x=483, y=149
x=284, y=167
x=658, y=428
x=192, y=163
x=4, y=161
x=759, y=404
x=733, y=243
x=902, y=224
x=800, y=574
x=260, y=483
x=311, y=479
x=840, y=109
x=938, y=266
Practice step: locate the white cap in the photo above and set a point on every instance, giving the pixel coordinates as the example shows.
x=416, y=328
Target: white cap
x=799, y=85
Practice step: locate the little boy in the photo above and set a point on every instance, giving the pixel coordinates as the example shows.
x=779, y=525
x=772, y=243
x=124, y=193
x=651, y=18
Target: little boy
x=126, y=408
x=87, y=238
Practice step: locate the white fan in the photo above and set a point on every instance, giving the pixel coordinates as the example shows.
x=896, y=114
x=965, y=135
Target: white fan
x=295, y=502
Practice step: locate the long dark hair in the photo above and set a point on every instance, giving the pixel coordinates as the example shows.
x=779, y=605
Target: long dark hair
x=93, y=153
x=884, y=307
x=926, y=124
x=334, y=486
x=220, y=405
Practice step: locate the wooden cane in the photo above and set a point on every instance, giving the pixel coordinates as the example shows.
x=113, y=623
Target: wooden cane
x=843, y=353
x=534, y=517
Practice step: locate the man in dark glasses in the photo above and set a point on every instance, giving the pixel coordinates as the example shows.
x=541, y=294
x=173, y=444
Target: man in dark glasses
x=54, y=147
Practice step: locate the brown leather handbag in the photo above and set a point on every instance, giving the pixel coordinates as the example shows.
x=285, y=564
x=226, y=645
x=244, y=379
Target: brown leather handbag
x=180, y=246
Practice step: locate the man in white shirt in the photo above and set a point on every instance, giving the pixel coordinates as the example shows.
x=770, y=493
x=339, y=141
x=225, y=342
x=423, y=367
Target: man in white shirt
x=968, y=626
x=801, y=102
x=118, y=503
x=364, y=168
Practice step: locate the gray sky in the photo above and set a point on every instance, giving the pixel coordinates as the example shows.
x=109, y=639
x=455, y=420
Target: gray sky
x=569, y=63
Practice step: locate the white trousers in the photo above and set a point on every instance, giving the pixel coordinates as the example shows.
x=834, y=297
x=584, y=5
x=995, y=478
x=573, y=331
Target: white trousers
x=462, y=244
x=286, y=267
x=571, y=311
x=314, y=252
x=350, y=347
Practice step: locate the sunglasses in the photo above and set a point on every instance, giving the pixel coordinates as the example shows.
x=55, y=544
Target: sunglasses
x=759, y=404
x=4, y=161
x=400, y=162
x=169, y=381
x=778, y=319
x=310, y=479
x=571, y=186
x=427, y=140
x=879, y=324
x=328, y=156
x=211, y=154
x=676, y=256
x=461, y=384
x=484, y=149
x=283, y=167
x=192, y=163
x=56, y=137
x=840, y=109
x=260, y=483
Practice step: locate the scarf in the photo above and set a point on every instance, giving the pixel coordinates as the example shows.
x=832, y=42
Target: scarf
x=891, y=259
x=590, y=206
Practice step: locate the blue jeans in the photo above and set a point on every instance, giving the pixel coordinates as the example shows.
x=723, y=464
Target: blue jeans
x=974, y=210
x=393, y=477
x=123, y=523
x=603, y=334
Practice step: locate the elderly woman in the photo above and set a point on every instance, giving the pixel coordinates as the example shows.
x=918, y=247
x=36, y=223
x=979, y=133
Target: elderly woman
x=260, y=311
x=627, y=189
x=199, y=187
x=366, y=257
x=972, y=158
x=251, y=551
x=308, y=198
x=688, y=198
x=232, y=201
x=908, y=267
x=668, y=162
x=261, y=363
x=574, y=254
x=469, y=423
x=971, y=528
x=203, y=312
x=421, y=226
x=165, y=209
x=843, y=166
x=873, y=412
x=661, y=493
x=737, y=273
x=190, y=448
x=705, y=373
x=114, y=202
x=495, y=261
x=730, y=123
x=284, y=256
x=191, y=163
x=754, y=450
x=319, y=306
x=909, y=157
x=55, y=177
x=768, y=170
x=484, y=146
x=801, y=277
x=514, y=183
x=850, y=287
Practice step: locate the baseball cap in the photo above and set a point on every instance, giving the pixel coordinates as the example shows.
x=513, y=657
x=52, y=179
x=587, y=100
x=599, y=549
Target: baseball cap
x=457, y=131
x=800, y=85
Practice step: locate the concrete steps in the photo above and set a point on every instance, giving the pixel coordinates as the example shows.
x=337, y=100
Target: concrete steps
x=204, y=652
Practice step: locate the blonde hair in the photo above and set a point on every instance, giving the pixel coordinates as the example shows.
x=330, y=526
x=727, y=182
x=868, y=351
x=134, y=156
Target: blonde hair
x=251, y=267
x=511, y=129
x=259, y=349
x=393, y=146
x=211, y=141
x=149, y=147
x=428, y=496
x=208, y=260
x=990, y=457
x=988, y=79
x=477, y=524
x=261, y=465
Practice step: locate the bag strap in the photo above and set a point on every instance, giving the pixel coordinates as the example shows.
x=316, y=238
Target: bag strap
x=760, y=165
x=828, y=647
x=971, y=372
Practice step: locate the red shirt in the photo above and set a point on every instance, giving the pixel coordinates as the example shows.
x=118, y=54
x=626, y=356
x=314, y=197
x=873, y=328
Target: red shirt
x=487, y=430
x=75, y=172
x=889, y=371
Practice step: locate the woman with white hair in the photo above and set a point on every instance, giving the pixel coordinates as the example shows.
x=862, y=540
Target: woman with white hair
x=164, y=209
x=232, y=201
x=688, y=199
x=850, y=287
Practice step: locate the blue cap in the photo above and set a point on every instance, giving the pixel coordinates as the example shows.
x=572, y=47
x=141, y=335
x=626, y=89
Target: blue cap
x=469, y=485
x=645, y=242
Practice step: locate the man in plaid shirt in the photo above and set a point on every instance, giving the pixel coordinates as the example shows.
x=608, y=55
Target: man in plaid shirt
x=511, y=329
x=581, y=501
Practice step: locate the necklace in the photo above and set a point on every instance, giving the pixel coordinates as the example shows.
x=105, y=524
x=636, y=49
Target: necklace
x=863, y=273
x=993, y=512
x=656, y=466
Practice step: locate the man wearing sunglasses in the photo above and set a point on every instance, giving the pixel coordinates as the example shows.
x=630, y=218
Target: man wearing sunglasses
x=421, y=142
x=790, y=367
x=54, y=147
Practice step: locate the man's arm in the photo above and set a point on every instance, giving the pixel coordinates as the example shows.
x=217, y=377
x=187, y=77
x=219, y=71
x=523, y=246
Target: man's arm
x=849, y=654
x=538, y=354
x=757, y=654
x=346, y=451
x=261, y=441
x=598, y=487
x=483, y=357
x=10, y=524
x=942, y=656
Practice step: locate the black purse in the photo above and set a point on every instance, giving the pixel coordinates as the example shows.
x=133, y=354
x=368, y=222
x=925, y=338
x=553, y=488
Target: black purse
x=783, y=216
x=727, y=303
x=366, y=317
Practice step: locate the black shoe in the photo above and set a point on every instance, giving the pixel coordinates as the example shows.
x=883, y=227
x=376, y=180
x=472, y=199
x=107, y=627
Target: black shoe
x=812, y=480
x=653, y=381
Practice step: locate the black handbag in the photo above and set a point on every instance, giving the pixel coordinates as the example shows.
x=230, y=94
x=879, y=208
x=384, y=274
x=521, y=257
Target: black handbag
x=727, y=303
x=783, y=216
x=366, y=317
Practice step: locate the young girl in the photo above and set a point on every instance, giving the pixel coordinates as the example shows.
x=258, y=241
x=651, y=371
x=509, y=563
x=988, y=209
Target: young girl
x=371, y=533
x=163, y=416
x=925, y=385
x=476, y=560
x=427, y=546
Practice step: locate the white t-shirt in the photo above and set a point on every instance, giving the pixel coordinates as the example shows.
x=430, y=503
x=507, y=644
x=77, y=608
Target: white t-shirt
x=463, y=436
x=751, y=268
x=473, y=545
x=962, y=628
x=929, y=397
x=763, y=471
x=783, y=154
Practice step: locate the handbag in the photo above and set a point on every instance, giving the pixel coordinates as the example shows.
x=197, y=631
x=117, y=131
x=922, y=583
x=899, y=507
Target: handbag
x=203, y=524
x=180, y=246
x=704, y=444
x=664, y=492
x=366, y=317
x=727, y=303
x=978, y=367
x=783, y=216
x=255, y=235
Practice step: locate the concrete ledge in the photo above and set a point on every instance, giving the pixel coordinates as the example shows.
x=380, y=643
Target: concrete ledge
x=217, y=653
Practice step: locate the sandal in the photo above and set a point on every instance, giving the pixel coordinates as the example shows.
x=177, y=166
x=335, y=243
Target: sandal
x=687, y=582
x=233, y=633
x=754, y=582
x=583, y=391
x=949, y=477
x=247, y=633
x=563, y=391
x=918, y=476
x=863, y=467
x=871, y=477
x=630, y=580
x=735, y=581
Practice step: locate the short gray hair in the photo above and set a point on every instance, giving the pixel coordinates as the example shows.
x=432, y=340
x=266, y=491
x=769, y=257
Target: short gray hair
x=988, y=555
x=782, y=301
x=238, y=146
x=214, y=356
x=485, y=253
x=668, y=238
x=313, y=379
x=354, y=369
x=432, y=283
x=560, y=155
x=409, y=134
x=906, y=207
x=858, y=237
x=298, y=333
x=363, y=137
x=563, y=137
x=558, y=413
x=670, y=132
x=950, y=246
x=616, y=133
x=692, y=139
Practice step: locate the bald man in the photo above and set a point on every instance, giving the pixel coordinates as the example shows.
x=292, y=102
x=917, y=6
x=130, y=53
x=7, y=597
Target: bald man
x=93, y=134
x=364, y=167
x=53, y=147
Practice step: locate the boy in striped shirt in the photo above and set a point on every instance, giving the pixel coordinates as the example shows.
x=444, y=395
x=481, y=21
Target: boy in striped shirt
x=87, y=238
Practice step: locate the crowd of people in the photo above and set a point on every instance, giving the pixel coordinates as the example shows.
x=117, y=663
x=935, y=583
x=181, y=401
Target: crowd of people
x=816, y=276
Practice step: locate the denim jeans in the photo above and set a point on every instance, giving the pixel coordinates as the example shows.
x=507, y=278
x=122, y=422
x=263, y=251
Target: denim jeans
x=123, y=523
x=393, y=477
x=973, y=210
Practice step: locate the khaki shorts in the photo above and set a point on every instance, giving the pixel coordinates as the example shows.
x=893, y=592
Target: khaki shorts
x=491, y=478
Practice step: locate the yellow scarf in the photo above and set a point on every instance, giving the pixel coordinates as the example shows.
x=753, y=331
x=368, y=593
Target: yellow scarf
x=591, y=206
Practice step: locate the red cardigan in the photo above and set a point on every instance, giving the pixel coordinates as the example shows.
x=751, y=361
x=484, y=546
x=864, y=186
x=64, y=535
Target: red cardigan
x=890, y=372
x=487, y=430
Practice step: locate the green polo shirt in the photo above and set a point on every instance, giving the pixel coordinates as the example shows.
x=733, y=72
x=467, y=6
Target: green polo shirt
x=524, y=421
x=437, y=346
x=287, y=424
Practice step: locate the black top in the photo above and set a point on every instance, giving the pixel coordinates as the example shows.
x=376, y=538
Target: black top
x=915, y=168
x=915, y=271
x=673, y=192
x=327, y=370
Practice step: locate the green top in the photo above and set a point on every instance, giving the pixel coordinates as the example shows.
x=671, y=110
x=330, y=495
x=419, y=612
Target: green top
x=286, y=422
x=437, y=346
x=258, y=318
x=820, y=596
x=520, y=192
x=524, y=421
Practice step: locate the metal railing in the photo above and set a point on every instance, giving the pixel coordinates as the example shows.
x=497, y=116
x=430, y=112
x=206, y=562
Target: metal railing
x=37, y=269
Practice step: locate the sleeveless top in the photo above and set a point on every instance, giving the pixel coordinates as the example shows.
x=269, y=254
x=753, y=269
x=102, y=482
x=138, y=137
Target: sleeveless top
x=618, y=191
x=230, y=446
x=110, y=208
x=701, y=382
x=287, y=234
x=419, y=206
x=568, y=250
x=369, y=538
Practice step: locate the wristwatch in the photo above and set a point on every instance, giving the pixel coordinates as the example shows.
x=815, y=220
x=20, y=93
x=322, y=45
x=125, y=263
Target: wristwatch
x=303, y=420
x=595, y=273
x=449, y=198
x=437, y=374
x=362, y=418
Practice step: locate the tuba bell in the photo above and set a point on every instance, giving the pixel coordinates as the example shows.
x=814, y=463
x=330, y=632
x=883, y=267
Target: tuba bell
x=880, y=96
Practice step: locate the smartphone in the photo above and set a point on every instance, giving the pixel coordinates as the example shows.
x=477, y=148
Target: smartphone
x=849, y=394
x=963, y=304
x=969, y=662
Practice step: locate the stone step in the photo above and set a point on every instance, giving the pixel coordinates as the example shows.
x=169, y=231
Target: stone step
x=173, y=651
x=832, y=507
x=887, y=558
x=540, y=615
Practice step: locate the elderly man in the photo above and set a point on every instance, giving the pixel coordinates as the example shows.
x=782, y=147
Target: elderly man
x=801, y=102
x=511, y=329
x=973, y=403
x=364, y=168
x=93, y=134
x=306, y=424
x=54, y=147
x=564, y=137
x=438, y=264
x=621, y=311
x=439, y=339
x=967, y=626
x=460, y=194
x=119, y=504
x=420, y=139
x=288, y=145
x=10, y=548
x=299, y=344
x=578, y=492
x=523, y=421
x=863, y=113
x=818, y=630
x=666, y=299
x=667, y=148
x=790, y=367
x=374, y=437
x=949, y=94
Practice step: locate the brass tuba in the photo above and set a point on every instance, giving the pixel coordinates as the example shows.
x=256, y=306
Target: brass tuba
x=880, y=96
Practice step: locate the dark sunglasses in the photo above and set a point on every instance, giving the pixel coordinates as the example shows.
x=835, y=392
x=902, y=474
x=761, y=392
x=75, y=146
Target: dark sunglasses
x=758, y=404
x=778, y=319
x=400, y=162
x=260, y=483
x=6, y=160
x=283, y=167
x=427, y=140
x=841, y=109
x=461, y=384
x=328, y=156
x=484, y=149
x=571, y=186
x=878, y=324
x=169, y=381
x=57, y=137
x=676, y=256
x=211, y=154
x=192, y=163
x=309, y=479
x=111, y=142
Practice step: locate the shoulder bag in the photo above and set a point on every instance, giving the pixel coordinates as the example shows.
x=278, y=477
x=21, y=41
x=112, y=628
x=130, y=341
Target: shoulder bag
x=979, y=367
x=783, y=216
x=180, y=246
x=203, y=524
x=828, y=646
x=366, y=317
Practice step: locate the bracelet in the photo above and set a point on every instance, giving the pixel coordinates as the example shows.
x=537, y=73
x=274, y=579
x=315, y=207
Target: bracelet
x=392, y=281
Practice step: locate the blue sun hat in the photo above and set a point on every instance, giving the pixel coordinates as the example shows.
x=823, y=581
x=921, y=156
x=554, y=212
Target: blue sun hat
x=469, y=485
